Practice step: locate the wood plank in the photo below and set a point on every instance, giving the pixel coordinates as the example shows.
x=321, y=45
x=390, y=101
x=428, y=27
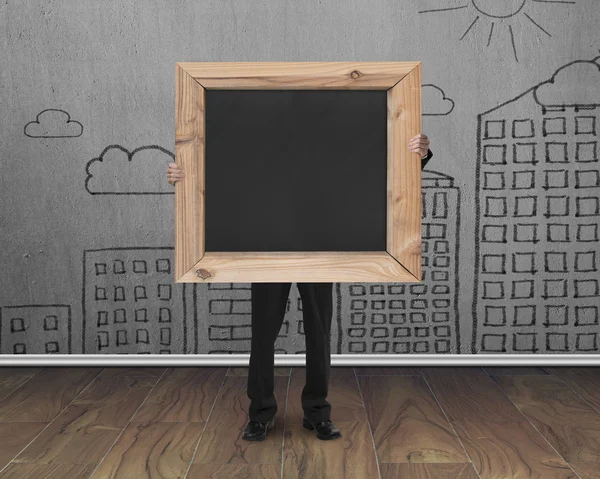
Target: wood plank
x=498, y=439
x=298, y=75
x=407, y=423
x=585, y=381
x=387, y=371
x=182, y=395
x=403, y=240
x=334, y=372
x=567, y=422
x=116, y=399
x=297, y=266
x=189, y=155
x=350, y=457
x=45, y=395
x=77, y=436
x=468, y=392
x=243, y=371
x=47, y=471
x=88, y=427
x=343, y=395
x=513, y=371
x=12, y=378
x=235, y=471
x=139, y=374
x=14, y=436
x=427, y=471
x=222, y=442
x=162, y=450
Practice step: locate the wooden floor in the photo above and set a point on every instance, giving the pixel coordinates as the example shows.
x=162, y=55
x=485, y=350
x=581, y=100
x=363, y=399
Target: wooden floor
x=404, y=423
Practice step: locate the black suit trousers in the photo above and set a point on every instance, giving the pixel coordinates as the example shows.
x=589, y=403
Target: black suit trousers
x=269, y=302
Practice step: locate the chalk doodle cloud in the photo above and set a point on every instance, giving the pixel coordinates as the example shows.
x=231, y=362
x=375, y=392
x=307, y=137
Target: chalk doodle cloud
x=118, y=171
x=435, y=102
x=53, y=123
x=575, y=84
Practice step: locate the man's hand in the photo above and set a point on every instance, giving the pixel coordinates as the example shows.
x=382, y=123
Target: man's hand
x=419, y=144
x=174, y=173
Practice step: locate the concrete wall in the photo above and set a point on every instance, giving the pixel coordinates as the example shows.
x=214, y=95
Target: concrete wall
x=511, y=241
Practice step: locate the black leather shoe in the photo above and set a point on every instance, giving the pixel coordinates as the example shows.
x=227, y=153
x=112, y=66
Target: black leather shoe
x=257, y=431
x=326, y=430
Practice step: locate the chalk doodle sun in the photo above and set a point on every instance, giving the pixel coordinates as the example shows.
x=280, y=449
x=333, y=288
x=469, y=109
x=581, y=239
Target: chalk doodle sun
x=489, y=13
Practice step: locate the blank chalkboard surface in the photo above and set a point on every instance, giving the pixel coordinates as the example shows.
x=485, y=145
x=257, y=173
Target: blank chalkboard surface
x=295, y=170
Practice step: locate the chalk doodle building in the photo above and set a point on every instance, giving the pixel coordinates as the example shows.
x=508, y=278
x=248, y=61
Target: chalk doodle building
x=130, y=303
x=35, y=329
x=537, y=244
x=404, y=318
x=223, y=316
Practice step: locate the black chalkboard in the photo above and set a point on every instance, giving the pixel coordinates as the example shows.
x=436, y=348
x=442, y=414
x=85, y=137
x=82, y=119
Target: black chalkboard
x=296, y=170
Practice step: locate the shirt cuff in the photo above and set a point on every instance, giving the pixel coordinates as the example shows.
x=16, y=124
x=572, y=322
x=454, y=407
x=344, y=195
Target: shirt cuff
x=425, y=159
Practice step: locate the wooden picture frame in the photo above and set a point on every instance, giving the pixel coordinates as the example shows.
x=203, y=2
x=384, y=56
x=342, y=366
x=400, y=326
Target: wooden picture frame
x=401, y=262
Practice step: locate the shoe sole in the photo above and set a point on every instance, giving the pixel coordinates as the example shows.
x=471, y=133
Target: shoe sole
x=310, y=427
x=270, y=425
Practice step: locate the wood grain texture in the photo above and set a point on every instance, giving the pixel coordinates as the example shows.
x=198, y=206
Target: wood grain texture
x=45, y=395
x=567, y=422
x=387, y=371
x=513, y=371
x=87, y=428
x=585, y=381
x=14, y=436
x=157, y=450
x=182, y=395
x=79, y=435
x=512, y=426
x=235, y=471
x=468, y=392
x=143, y=375
x=403, y=238
x=499, y=440
x=282, y=266
x=428, y=471
x=222, y=442
x=298, y=75
x=407, y=423
x=243, y=371
x=190, y=156
x=47, y=471
x=13, y=378
x=350, y=457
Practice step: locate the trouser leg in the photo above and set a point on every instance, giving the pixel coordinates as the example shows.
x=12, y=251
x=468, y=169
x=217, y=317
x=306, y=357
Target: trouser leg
x=317, y=310
x=269, y=301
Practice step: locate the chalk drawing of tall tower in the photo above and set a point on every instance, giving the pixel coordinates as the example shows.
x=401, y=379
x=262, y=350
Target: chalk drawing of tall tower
x=537, y=248
x=398, y=318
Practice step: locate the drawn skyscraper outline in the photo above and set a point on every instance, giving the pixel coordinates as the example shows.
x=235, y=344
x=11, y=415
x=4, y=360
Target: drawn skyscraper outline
x=537, y=212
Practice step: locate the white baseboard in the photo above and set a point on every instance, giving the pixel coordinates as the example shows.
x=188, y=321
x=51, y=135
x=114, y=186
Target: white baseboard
x=346, y=360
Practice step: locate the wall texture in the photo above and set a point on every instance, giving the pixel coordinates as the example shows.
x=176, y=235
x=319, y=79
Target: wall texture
x=511, y=199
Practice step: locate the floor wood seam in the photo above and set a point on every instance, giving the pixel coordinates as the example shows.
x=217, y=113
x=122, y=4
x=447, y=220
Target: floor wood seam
x=206, y=424
x=532, y=425
x=450, y=423
x=21, y=385
x=580, y=396
x=126, y=425
x=287, y=395
x=362, y=399
x=53, y=419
